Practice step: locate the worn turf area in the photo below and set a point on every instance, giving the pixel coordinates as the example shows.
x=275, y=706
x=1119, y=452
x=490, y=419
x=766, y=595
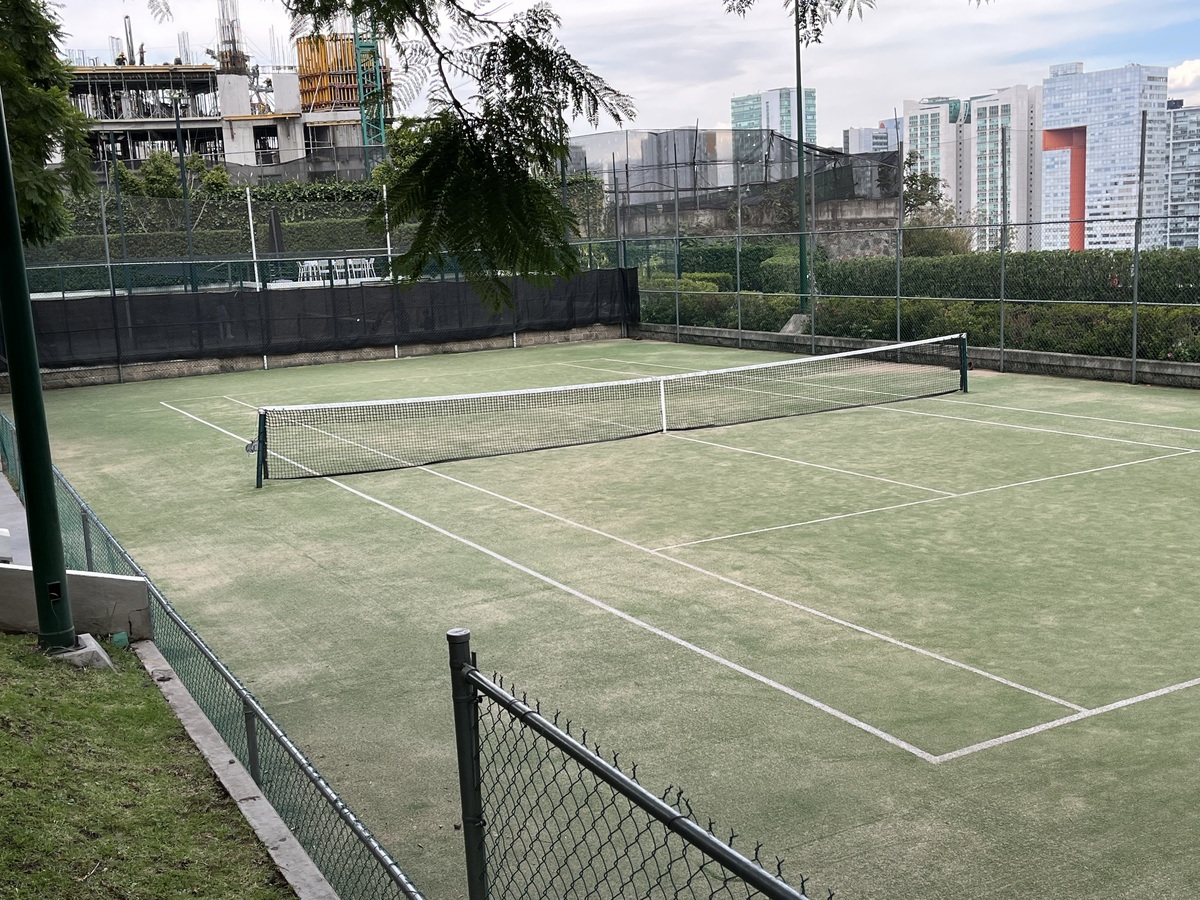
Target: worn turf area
x=103, y=795
x=972, y=616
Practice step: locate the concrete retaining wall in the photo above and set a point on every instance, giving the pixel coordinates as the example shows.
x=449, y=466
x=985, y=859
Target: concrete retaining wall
x=100, y=604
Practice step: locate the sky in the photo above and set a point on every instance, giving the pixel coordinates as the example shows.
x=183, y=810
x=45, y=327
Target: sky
x=682, y=60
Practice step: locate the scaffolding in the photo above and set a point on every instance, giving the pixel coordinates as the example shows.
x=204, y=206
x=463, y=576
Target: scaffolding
x=132, y=112
x=370, y=68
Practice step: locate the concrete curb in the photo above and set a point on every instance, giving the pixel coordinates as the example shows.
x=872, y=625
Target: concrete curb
x=294, y=863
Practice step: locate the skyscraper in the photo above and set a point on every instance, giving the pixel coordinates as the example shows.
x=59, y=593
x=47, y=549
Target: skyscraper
x=1016, y=110
x=1183, y=178
x=773, y=110
x=938, y=129
x=1091, y=151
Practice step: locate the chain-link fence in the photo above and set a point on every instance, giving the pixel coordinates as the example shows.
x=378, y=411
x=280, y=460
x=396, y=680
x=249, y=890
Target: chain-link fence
x=342, y=847
x=711, y=220
x=544, y=815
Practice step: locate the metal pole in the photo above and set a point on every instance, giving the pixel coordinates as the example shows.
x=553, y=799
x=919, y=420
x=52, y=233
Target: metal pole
x=466, y=739
x=387, y=230
x=187, y=213
x=1137, y=246
x=617, y=215
x=798, y=118
x=116, y=184
x=899, y=229
x=88, y=556
x=675, y=147
x=260, y=469
x=1003, y=230
x=737, y=257
x=252, y=759
x=56, y=628
x=112, y=291
x=587, y=208
x=253, y=240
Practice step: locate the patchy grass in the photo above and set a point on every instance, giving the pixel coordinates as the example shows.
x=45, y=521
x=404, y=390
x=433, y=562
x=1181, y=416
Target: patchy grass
x=102, y=793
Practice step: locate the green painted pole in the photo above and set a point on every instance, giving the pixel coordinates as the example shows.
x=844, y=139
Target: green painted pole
x=55, y=626
x=798, y=123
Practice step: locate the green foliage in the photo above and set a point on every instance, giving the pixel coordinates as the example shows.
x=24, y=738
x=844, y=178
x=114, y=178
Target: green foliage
x=40, y=119
x=922, y=190
x=216, y=180
x=721, y=256
x=722, y=280
x=702, y=305
x=780, y=274
x=159, y=175
x=475, y=176
x=516, y=227
x=1058, y=301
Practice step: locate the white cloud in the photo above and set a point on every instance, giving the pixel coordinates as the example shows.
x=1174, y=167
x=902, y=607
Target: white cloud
x=1184, y=81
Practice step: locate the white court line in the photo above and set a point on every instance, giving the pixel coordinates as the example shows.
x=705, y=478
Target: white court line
x=607, y=371
x=1042, y=412
x=879, y=509
x=800, y=462
x=1066, y=720
x=652, y=365
x=1090, y=437
x=737, y=584
x=624, y=616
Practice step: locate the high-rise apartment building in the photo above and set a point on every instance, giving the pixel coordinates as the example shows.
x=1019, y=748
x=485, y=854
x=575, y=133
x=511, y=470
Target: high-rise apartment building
x=1008, y=118
x=1183, y=175
x=938, y=129
x=774, y=110
x=886, y=137
x=1091, y=140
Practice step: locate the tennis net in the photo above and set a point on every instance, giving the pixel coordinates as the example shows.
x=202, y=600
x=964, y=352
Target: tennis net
x=348, y=438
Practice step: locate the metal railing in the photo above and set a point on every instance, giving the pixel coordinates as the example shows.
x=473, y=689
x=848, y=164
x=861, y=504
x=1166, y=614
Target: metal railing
x=544, y=815
x=342, y=847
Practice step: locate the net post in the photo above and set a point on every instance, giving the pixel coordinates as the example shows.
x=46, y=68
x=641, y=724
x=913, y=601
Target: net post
x=466, y=740
x=962, y=362
x=261, y=467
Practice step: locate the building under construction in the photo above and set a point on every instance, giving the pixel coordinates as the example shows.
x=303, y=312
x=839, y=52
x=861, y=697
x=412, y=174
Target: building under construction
x=324, y=118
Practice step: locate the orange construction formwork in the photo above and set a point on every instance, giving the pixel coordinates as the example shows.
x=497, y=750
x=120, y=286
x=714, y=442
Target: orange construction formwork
x=328, y=72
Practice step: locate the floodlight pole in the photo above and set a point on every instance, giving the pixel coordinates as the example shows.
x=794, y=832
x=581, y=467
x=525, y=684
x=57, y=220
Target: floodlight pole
x=187, y=213
x=798, y=118
x=56, y=629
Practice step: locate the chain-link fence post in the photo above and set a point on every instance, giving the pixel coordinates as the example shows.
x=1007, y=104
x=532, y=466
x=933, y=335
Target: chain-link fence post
x=1137, y=248
x=1003, y=230
x=87, y=543
x=466, y=740
x=252, y=741
x=899, y=231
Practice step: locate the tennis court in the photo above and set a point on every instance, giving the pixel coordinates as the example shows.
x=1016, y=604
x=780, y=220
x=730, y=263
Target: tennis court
x=937, y=648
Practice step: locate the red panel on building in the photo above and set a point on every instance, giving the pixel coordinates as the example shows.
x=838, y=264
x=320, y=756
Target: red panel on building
x=1074, y=140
